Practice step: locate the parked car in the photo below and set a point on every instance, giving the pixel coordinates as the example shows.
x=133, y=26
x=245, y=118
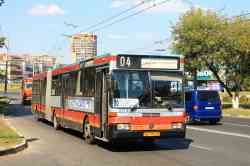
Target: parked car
x=203, y=105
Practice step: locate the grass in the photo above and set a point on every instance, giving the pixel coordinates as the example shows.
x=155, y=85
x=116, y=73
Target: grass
x=8, y=137
x=3, y=104
x=237, y=112
x=12, y=87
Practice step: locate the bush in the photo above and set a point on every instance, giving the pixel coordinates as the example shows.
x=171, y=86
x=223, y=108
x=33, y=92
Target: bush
x=244, y=99
x=226, y=99
x=4, y=101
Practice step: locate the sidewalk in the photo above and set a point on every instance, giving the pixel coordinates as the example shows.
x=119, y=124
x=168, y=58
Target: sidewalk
x=239, y=113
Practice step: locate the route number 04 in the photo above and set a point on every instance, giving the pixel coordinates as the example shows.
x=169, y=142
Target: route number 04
x=125, y=61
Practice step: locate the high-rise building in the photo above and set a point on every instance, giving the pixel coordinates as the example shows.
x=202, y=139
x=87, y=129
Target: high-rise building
x=83, y=46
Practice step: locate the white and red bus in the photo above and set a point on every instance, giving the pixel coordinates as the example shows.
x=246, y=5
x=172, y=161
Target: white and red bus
x=114, y=97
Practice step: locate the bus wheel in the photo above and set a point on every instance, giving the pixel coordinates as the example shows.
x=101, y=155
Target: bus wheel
x=55, y=123
x=89, y=138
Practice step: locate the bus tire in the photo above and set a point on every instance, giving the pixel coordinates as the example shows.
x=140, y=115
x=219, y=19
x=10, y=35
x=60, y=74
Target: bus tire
x=56, y=125
x=87, y=133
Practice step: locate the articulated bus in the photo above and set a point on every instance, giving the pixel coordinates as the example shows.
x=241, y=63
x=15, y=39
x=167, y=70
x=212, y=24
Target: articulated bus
x=114, y=97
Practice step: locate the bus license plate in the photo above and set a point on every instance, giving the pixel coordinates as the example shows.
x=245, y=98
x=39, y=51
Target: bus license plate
x=151, y=134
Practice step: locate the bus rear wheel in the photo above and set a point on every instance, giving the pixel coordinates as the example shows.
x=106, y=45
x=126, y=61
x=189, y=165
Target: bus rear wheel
x=87, y=133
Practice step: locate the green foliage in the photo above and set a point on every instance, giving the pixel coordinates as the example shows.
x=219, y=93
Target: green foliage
x=1, y=2
x=244, y=99
x=209, y=40
x=226, y=99
x=2, y=41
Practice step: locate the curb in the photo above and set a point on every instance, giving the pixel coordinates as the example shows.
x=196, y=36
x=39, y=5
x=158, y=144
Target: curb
x=14, y=149
x=17, y=148
x=236, y=116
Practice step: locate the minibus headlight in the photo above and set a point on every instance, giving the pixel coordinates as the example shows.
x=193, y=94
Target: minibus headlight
x=177, y=125
x=122, y=126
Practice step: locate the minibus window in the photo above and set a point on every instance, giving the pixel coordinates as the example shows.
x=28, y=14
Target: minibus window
x=208, y=96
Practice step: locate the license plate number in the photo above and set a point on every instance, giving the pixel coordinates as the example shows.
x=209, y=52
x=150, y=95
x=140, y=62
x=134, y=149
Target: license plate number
x=151, y=134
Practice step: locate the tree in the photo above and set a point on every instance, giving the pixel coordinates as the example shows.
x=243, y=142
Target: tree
x=220, y=44
x=1, y=2
x=2, y=41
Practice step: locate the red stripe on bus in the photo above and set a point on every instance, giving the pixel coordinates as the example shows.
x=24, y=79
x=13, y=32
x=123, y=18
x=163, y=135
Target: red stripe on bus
x=77, y=116
x=39, y=75
x=105, y=59
x=66, y=69
x=38, y=107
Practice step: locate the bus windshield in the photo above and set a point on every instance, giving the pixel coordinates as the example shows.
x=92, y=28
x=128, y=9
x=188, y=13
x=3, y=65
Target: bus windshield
x=28, y=86
x=144, y=89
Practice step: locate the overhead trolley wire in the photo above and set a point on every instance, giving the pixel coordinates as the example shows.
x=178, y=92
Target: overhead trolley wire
x=131, y=15
x=115, y=16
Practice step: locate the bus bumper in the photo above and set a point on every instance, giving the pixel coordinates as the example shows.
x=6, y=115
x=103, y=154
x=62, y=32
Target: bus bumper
x=134, y=135
x=206, y=118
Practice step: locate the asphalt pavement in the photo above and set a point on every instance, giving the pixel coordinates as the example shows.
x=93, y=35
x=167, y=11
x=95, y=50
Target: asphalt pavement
x=225, y=144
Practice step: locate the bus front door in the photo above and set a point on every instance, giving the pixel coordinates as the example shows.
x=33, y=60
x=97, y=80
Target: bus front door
x=101, y=104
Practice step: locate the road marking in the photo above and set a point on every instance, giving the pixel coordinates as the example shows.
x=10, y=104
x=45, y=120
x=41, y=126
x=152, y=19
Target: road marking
x=235, y=124
x=220, y=132
x=201, y=147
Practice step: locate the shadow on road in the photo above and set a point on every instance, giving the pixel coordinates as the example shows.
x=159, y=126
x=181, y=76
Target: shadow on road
x=18, y=110
x=132, y=146
x=204, y=124
x=32, y=139
x=180, y=144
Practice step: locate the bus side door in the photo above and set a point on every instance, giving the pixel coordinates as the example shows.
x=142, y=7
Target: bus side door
x=101, y=103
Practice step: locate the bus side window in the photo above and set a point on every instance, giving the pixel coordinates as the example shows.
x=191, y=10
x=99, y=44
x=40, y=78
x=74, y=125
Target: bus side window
x=78, y=84
x=88, y=82
x=70, y=81
x=56, y=86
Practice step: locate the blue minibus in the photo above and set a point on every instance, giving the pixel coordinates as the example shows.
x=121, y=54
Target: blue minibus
x=203, y=105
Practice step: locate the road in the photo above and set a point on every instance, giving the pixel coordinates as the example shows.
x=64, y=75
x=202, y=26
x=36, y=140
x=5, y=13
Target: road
x=226, y=144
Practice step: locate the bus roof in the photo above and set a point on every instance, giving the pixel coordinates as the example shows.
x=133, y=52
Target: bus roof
x=98, y=60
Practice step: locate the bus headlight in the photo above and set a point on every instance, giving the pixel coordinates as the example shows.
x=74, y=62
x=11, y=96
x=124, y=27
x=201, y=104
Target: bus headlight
x=177, y=125
x=122, y=126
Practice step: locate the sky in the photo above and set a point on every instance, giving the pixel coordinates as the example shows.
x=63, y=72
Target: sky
x=40, y=26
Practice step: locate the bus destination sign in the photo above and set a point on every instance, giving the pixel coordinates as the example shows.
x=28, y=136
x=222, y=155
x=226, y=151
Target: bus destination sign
x=144, y=62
